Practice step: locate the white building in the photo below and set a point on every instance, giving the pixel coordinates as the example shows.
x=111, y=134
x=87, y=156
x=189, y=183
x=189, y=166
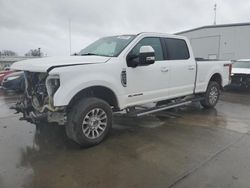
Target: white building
x=228, y=41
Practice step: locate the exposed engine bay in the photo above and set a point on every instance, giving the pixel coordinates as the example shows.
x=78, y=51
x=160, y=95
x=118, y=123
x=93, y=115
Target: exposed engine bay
x=37, y=102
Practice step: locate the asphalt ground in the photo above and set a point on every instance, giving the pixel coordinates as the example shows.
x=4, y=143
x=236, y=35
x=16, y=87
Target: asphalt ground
x=186, y=147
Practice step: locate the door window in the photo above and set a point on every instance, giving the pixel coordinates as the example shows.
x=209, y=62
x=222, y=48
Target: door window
x=149, y=41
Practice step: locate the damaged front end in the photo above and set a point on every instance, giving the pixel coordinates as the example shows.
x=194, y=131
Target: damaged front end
x=36, y=104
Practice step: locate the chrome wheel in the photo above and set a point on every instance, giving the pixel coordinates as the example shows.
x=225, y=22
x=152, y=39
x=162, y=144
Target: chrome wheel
x=213, y=95
x=94, y=123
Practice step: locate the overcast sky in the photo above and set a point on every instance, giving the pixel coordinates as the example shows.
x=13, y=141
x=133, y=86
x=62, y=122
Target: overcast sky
x=26, y=24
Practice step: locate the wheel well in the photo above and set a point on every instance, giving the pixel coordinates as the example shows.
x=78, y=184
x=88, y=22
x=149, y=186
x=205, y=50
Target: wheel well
x=217, y=78
x=100, y=92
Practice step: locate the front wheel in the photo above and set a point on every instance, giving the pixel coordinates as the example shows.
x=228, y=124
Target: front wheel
x=89, y=122
x=212, y=95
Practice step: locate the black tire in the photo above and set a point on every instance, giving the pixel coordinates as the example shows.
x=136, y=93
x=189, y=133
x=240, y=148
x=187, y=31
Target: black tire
x=212, y=95
x=81, y=132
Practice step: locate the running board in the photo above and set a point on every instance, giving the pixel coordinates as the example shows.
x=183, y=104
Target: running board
x=144, y=112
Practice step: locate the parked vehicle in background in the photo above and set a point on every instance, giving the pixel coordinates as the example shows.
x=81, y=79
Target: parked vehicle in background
x=14, y=82
x=7, y=68
x=241, y=74
x=3, y=74
x=118, y=74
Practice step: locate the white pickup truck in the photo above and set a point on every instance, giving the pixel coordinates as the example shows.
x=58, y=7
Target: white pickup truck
x=117, y=74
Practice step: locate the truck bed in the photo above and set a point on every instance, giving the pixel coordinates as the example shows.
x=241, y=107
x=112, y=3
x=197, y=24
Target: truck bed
x=206, y=69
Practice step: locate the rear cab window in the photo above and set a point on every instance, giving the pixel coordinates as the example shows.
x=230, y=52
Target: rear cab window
x=176, y=49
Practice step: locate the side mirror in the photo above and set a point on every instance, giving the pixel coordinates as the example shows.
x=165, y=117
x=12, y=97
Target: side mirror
x=147, y=55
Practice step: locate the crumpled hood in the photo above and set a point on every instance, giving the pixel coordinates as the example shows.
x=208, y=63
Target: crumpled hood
x=47, y=63
x=240, y=71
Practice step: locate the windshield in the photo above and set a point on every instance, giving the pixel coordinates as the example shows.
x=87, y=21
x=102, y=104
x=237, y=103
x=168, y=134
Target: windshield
x=241, y=64
x=108, y=46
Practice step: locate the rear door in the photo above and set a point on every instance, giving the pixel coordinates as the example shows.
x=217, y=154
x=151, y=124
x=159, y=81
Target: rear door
x=182, y=67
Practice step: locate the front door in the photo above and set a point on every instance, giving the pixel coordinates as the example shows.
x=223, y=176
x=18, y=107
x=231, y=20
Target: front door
x=148, y=83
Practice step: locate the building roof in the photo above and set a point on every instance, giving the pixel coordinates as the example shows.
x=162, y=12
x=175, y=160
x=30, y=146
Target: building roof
x=215, y=26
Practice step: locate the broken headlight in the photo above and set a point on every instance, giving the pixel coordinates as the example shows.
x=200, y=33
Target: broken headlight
x=52, y=84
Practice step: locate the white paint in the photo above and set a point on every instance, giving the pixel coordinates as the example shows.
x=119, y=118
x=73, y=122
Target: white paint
x=240, y=71
x=43, y=64
x=146, y=49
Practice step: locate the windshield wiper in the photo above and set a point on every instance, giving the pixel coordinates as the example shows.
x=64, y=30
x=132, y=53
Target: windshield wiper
x=96, y=54
x=88, y=54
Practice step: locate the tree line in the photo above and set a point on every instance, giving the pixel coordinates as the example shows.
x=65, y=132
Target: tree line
x=32, y=52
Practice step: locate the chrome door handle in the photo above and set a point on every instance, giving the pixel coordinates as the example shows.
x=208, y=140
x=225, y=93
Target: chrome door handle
x=164, y=69
x=191, y=68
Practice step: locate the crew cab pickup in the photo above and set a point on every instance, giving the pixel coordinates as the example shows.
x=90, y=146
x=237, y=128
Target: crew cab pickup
x=117, y=74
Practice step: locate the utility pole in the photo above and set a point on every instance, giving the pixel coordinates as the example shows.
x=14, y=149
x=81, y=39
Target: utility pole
x=69, y=37
x=39, y=52
x=215, y=11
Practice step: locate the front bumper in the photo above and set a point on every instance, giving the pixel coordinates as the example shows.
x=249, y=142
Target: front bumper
x=29, y=114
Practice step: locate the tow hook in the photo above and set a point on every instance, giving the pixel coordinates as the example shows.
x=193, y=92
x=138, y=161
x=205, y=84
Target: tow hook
x=34, y=118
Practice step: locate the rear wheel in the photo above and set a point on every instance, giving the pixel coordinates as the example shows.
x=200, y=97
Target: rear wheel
x=89, y=121
x=212, y=95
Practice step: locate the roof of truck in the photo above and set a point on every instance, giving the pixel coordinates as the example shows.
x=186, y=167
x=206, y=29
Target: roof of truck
x=155, y=34
x=243, y=60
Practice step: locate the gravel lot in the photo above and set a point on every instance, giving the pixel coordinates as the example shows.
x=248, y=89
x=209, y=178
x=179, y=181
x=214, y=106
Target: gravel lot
x=187, y=147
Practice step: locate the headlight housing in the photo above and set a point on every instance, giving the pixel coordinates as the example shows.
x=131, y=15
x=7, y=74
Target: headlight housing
x=52, y=84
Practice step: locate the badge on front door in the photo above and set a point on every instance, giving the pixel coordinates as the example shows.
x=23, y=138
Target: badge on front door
x=124, y=78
